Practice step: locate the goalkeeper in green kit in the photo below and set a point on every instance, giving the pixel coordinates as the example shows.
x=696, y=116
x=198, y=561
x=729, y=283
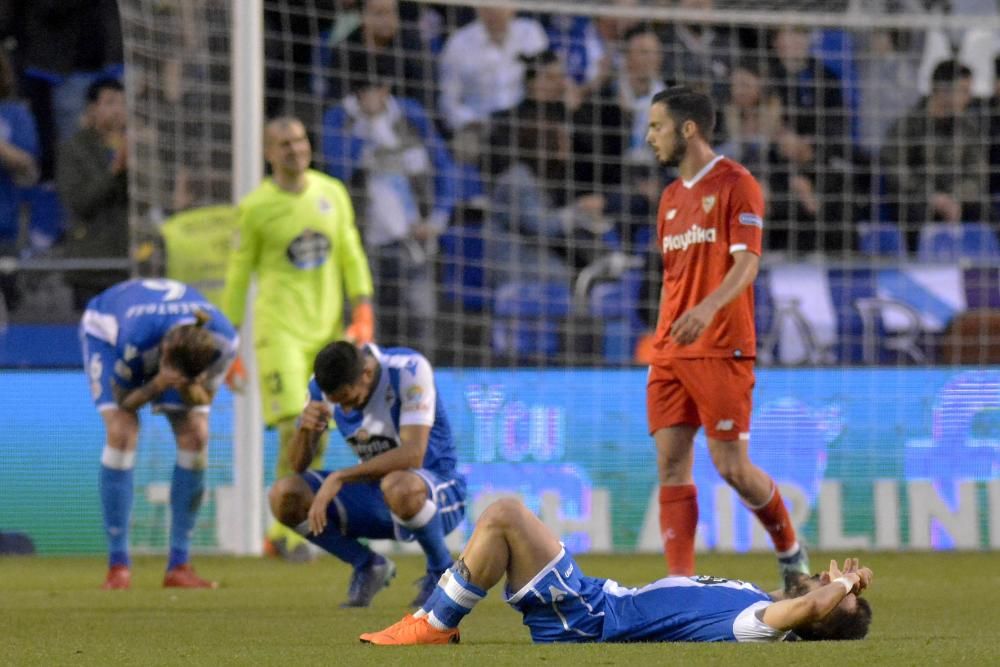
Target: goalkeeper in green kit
x=297, y=234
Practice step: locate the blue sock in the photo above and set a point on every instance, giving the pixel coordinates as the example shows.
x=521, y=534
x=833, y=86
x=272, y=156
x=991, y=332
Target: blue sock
x=116, y=503
x=331, y=540
x=186, y=491
x=429, y=533
x=453, y=598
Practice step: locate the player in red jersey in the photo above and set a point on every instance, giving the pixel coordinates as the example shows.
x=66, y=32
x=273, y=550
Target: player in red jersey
x=709, y=228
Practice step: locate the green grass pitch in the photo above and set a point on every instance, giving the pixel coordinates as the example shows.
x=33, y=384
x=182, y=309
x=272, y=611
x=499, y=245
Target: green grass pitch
x=929, y=609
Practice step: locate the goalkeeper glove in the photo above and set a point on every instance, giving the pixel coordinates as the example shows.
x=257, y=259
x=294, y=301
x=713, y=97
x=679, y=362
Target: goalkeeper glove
x=362, y=329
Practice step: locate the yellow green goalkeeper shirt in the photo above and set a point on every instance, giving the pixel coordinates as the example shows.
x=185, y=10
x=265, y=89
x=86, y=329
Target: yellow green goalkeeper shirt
x=306, y=252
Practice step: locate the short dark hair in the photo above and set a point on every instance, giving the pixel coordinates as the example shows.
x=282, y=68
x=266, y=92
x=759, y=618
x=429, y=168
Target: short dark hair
x=534, y=63
x=684, y=103
x=193, y=347
x=337, y=365
x=640, y=29
x=103, y=83
x=838, y=624
x=949, y=72
x=366, y=69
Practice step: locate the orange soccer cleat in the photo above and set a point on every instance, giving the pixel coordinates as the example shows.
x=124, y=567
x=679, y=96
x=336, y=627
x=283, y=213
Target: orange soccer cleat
x=409, y=632
x=183, y=576
x=367, y=636
x=119, y=578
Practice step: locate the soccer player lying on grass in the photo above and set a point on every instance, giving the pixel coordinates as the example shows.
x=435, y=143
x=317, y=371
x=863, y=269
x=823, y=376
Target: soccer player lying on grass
x=561, y=604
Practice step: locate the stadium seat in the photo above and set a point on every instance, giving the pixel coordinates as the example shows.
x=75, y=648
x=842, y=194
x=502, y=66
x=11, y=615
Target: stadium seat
x=463, y=276
x=47, y=218
x=942, y=242
x=616, y=306
x=881, y=239
x=527, y=319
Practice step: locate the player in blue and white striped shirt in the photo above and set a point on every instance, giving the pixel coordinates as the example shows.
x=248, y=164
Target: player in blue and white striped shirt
x=561, y=604
x=406, y=485
x=159, y=342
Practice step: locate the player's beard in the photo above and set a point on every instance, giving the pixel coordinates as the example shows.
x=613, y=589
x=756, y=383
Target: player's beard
x=678, y=151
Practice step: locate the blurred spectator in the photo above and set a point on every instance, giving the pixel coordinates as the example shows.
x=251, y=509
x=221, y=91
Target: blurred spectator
x=18, y=156
x=386, y=149
x=992, y=123
x=610, y=134
x=539, y=229
x=549, y=94
x=975, y=47
x=290, y=64
x=611, y=31
x=18, y=169
x=580, y=47
x=63, y=46
x=480, y=68
x=92, y=177
x=383, y=32
x=699, y=54
x=935, y=159
x=751, y=123
x=812, y=143
x=888, y=81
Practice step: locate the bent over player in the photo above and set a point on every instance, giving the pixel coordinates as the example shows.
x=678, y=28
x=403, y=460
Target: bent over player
x=158, y=342
x=406, y=485
x=561, y=604
x=709, y=227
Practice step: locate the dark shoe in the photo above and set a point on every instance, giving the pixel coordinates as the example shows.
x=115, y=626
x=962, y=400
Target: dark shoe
x=425, y=586
x=367, y=581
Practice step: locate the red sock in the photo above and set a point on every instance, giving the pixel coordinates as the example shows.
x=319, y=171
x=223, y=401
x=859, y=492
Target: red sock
x=774, y=516
x=678, y=522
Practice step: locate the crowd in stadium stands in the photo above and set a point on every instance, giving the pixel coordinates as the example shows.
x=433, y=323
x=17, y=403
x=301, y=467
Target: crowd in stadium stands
x=522, y=136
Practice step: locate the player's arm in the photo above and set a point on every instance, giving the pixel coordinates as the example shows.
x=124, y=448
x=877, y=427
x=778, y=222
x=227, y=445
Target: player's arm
x=401, y=458
x=740, y=276
x=196, y=392
x=815, y=605
x=413, y=441
x=164, y=379
x=242, y=261
x=313, y=422
x=357, y=275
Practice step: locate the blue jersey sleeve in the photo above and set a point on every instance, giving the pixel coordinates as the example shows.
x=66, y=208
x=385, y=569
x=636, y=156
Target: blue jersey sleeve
x=315, y=394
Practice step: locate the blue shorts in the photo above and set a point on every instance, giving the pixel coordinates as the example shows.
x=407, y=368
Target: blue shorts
x=561, y=604
x=107, y=388
x=363, y=512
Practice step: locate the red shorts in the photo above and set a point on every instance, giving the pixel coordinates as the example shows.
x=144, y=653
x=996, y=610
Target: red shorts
x=714, y=392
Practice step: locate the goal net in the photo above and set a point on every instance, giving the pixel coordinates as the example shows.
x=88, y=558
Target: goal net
x=507, y=201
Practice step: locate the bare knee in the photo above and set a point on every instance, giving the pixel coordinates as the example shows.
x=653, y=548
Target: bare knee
x=290, y=498
x=503, y=514
x=734, y=471
x=404, y=493
x=121, y=429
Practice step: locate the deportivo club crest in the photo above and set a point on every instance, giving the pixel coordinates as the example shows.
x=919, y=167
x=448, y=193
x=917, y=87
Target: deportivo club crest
x=707, y=203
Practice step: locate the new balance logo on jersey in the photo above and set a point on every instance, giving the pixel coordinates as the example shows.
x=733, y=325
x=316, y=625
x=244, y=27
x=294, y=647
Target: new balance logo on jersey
x=671, y=214
x=692, y=236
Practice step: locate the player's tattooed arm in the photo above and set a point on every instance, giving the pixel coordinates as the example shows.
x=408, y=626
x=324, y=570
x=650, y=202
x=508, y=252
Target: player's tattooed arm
x=462, y=569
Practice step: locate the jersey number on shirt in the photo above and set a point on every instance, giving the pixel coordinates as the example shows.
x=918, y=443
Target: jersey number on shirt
x=172, y=289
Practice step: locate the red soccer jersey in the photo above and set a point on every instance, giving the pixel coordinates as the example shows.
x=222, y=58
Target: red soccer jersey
x=700, y=224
